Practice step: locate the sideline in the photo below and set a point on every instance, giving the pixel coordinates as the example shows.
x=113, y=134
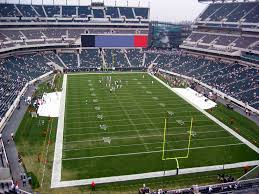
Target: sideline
x=57, y=162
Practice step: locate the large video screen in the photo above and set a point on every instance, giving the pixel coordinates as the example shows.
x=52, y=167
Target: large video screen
x=114, y=40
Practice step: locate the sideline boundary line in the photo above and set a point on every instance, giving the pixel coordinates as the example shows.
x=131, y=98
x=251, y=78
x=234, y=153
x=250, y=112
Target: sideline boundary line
x=231, y=131
x=153, y=174
x=57, y=161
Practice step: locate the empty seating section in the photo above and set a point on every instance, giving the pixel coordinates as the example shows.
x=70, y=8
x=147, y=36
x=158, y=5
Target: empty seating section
x=90, y=59
x=115, y=58
x=143, y=12
x=15, y=72
x=70, y=59
x=52, y=57
x=68, y=11
x=12, y=34
x=135, y=57
x=2, y=37
x=98, y=13
x=245, y=42
x=113, y=12
x=240, y=12
x=35, y=33
x=194, y=37
x=253, y=15
x=209, y=38
x=150, y=58
x=54, y=33
x=240, y=42
x=232, y=12
x=64, y=11
x=75, y=33
x=84, y=11
x=8, y=10
x=236, y=80
x=223, y=11
x=127, y=12
x=210, y=10
x=225, y=40
x=27, y=10
x=52, y=10
x=164, y=59
x=32, y=34
x=39, y=10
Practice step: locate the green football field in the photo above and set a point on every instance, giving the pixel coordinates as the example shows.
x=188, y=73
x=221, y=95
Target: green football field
x=117, y=128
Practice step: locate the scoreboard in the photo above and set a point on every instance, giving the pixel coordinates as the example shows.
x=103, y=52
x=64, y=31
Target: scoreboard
x=114, y=40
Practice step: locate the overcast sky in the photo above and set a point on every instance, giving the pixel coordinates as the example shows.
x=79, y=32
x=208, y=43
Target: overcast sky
x=163, y=10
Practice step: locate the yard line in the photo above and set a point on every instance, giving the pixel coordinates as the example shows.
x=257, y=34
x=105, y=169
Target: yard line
x=146, y=117
x=85, y=128
x=132, y=123
x=124, y=119
x=150, y=152
x=144, y=136
x=79, y=99
x=82, y=102
x=113, y=111
x=111, y=115
x=103, y=111
x=132, y=145
x=130, y=107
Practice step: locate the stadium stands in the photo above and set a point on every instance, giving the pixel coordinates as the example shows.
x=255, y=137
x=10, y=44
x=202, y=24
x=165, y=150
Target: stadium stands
x=68, y=11
x=226, y=28
x=113, y=12
x=69, y=59
x=90, y=59
x=231, y=12
x=240, y=82
x=127, y=12
x=15, y=72
x=24, y=26
x=115, y=58
x=135, y=57
x=23, y=12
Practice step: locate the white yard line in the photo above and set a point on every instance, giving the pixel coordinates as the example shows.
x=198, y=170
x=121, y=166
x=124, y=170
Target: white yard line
x=151, y=152
x=126, y=131
x=121, y=126
x=132, y=145
x=135, y=119
x=114, y=115
x=82, y=111
x=57, y=162
x=134, y=137
x=231, y=131
x=114, y=111
x=130, y=108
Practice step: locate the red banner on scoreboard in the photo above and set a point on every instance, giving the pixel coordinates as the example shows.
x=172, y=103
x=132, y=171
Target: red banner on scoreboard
x=140, y=41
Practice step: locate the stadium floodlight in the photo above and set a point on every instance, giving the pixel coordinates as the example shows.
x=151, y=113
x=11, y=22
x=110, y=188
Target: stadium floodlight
x=165, y=143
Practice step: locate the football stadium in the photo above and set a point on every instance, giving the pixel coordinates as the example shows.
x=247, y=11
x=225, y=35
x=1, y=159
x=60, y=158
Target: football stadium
x=99, y=98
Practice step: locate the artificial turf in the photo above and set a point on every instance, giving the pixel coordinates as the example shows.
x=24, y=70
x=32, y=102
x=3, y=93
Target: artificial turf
x=110, y=133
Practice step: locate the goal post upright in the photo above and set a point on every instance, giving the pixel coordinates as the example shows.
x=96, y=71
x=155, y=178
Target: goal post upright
x=180, y=157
